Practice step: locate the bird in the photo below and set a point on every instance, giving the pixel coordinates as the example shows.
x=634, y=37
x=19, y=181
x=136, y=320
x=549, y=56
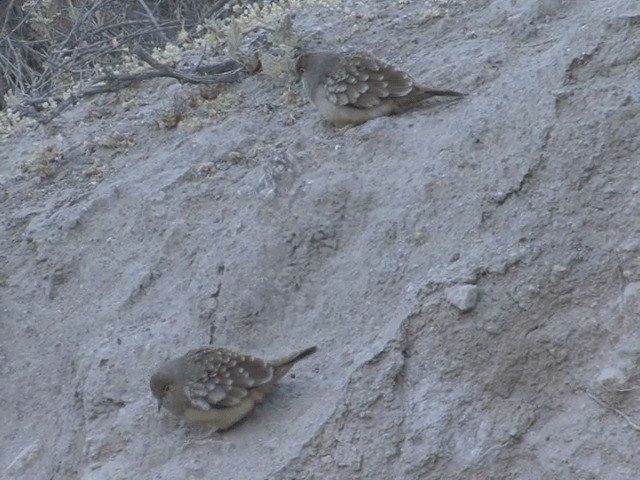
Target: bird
x=217, y=387
x=349, y=89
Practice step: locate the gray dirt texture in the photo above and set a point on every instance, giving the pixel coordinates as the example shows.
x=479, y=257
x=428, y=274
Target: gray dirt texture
x=267, y=231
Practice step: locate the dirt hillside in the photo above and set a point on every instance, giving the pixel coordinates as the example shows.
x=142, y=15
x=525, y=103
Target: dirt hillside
x=469, y=271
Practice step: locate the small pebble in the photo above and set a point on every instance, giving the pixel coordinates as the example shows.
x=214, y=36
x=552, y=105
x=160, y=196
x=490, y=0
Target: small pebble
x=463, y=297
x=631, y=293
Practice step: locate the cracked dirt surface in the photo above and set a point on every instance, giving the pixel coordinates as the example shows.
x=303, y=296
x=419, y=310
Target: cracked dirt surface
x=269, y=235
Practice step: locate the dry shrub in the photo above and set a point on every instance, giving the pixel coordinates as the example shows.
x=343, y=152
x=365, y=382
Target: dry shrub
x=44, y=161
x=52, y=49
x=47, y=45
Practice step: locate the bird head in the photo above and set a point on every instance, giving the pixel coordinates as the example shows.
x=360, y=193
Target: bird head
x=315, y=63
x=161, y=386
x=301, y=65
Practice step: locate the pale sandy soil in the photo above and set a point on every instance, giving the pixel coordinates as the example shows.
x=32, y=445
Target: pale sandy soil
x=267, y=231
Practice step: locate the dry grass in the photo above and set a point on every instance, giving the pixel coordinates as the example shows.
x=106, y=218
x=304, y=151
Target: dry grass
x=117, y=141
x=54, y=52
x=44, y=162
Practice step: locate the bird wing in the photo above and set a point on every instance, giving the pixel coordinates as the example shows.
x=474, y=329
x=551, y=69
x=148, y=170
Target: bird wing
x=225, y=378
x=364, y=82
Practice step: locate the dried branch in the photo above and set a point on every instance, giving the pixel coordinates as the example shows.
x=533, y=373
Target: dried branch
x=226, y=72
x=46, y=48
x=605, y=405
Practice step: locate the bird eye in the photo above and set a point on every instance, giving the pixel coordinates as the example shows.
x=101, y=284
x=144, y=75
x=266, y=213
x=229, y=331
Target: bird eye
x=167, y=388
x=299, y=67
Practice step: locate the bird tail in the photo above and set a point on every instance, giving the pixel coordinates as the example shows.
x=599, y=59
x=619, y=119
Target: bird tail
x=434, y=92
x=294, y=357
x=422, y=93
x=283, y=365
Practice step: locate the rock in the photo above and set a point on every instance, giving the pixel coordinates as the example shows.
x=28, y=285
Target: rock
x=612, y=376
x=463, y=297
x=631, y=294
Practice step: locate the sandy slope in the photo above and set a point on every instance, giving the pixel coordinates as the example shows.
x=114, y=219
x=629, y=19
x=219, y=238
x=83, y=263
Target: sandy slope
x=269, y=236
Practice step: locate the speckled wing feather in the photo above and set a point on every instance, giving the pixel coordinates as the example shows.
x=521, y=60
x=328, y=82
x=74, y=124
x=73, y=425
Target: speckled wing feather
x=227, y=379
x=364, y=82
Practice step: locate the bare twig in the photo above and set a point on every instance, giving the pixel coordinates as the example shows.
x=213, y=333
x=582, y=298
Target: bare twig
x=621, y=390
x=228, y=72
x=217, y=68
x=604, y=404
x=153, y=19
x=43, y=54
x=218, y=8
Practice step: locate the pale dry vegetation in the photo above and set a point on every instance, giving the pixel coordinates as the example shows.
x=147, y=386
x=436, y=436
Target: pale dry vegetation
x=54, y=52
x=44, y=161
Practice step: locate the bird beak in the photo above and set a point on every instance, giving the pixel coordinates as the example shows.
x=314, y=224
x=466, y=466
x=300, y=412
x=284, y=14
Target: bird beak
x=159, y=404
